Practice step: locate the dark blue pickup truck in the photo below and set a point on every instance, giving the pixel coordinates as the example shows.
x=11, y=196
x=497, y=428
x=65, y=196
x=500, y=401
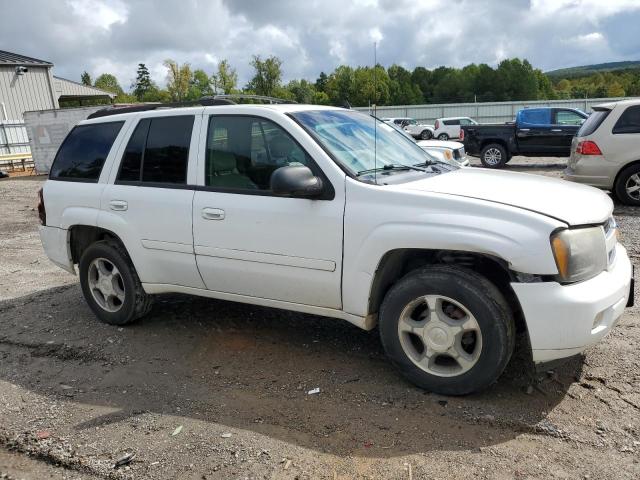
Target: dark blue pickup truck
x=537, y=132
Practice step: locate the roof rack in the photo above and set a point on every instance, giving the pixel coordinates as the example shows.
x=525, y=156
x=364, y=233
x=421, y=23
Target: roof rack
x=204, y=101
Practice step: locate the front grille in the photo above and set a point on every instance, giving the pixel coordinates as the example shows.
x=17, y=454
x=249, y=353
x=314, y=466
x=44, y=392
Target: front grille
x=458, y=154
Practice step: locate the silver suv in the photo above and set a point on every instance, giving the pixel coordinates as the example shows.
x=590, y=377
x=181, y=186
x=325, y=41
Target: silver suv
x=605, y=152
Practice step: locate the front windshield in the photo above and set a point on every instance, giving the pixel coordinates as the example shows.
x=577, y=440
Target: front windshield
x=350, y=137
x=412, y=122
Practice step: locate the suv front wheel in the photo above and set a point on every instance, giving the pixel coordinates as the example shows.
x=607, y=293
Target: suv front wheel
x=447, y=329
x=111, y=285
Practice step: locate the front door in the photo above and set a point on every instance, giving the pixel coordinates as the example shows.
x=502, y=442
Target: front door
x=248, y=241
x=566, y=124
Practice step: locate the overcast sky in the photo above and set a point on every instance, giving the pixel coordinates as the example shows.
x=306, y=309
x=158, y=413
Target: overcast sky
x=311, y=36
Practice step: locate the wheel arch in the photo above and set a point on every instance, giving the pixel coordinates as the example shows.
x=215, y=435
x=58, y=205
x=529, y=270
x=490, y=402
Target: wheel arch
x=498, y=141
x=81, y=236
x=395, y=264
x=630, y=164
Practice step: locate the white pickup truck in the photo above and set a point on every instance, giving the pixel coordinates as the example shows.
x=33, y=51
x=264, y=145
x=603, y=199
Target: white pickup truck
x=331, y=212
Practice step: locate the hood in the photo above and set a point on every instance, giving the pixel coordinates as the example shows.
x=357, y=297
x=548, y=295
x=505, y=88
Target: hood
x=569, y=202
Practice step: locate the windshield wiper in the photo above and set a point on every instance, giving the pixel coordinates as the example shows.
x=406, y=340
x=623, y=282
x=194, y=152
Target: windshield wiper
x=392, y=166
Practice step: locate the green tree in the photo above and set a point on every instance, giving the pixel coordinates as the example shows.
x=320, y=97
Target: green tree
x=178, y=79
x=143, y=83
x=321, y=82
x=267, y=75
x=85, y=78
x=108, y=82
x=402, y=90
x=303, y=91
x=200, y=85
x=341, y=85
x=225, y=79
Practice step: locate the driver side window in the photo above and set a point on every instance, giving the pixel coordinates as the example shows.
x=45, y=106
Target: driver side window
x=243, y=152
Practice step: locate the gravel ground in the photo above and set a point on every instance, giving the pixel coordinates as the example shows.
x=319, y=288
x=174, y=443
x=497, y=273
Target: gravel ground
x=206, y=389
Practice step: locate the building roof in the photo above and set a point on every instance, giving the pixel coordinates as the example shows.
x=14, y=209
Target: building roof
x=8, y=58
x=68, y=89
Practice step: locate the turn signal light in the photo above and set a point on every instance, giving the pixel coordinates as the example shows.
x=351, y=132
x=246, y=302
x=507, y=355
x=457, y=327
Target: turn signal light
x=588, y=147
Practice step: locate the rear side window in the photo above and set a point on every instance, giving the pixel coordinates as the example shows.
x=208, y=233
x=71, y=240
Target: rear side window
x=568, y=117
x=84, y=151
x=592, y=122
x=629, y=121
x=535, y=117
x=158, y=151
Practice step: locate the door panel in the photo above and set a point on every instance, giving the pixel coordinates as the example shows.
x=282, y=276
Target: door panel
x=286, y=249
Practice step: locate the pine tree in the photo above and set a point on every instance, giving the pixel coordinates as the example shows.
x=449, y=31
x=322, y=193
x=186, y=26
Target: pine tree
x=143, y=82
x=85, y=78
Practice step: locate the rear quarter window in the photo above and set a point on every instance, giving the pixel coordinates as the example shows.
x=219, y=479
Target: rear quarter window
x=83, y=153
x=592, y=122
x=629, y=121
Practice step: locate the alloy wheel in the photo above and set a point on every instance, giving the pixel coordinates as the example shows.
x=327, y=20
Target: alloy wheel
x=633, y=186
x=492, y=156
x=106, y=284
x=440, y=335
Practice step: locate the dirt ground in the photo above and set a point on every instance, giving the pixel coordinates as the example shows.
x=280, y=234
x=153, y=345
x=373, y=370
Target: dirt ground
x=206, y=389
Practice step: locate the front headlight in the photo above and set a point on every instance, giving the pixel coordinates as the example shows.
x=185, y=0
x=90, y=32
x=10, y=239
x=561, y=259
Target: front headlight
x=580, y=253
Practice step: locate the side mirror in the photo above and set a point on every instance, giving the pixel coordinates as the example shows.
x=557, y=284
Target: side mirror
x=295, y=181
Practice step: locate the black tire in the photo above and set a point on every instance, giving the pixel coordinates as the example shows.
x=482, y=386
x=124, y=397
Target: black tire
x=485, y=302
x=494, y=155
x=628, y=178
x=426, y=135
x=137, y=302
x=443, y=137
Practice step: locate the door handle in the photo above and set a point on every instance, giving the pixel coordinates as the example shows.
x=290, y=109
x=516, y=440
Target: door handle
x=525, y=129
x=556, y=129
x=118, y=205
x=212, y=213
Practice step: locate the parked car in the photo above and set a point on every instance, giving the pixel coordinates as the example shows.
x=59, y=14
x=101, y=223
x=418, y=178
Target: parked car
x=447, y=128
x=305, y=208
x=3, y=174
x=412, y=127
x=605, y=152
x=445, y=151
x=537, y=132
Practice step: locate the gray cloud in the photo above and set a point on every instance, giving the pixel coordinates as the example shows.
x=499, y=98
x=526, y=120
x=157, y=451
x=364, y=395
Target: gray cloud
x=317, y=35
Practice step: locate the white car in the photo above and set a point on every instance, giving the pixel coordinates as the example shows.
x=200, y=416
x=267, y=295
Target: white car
x=297, y=207
x=412, y=127
x=605, y=152
x=447, y=128
x=445, y=151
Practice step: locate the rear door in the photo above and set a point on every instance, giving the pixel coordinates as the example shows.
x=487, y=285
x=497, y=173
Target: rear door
x=566, y=124
x=247, y=240
x=149, y=201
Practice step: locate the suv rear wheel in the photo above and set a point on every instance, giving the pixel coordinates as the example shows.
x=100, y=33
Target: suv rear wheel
x=443, y=137
x=627, y=187
x=494, y=155
x=447, y=329
x=426, y=135
x=111, y=285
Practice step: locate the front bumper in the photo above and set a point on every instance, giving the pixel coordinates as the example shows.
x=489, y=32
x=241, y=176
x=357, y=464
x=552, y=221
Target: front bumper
x=563, y=320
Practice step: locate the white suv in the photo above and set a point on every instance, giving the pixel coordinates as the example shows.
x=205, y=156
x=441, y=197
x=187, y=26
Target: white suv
x=412, y=127
x=297, y=207
x=446, y=128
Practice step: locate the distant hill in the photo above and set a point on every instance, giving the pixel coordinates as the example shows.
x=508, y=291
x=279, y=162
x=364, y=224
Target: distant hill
x=586, y=70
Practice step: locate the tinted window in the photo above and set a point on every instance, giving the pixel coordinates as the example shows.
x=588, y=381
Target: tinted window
x=166, y=155
x=82, y=154
x=243, y=152
x=535, y=116
x=130, y=167
x=592, y=122
x=451, y=122
x=568, y=117
x=629, y=121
